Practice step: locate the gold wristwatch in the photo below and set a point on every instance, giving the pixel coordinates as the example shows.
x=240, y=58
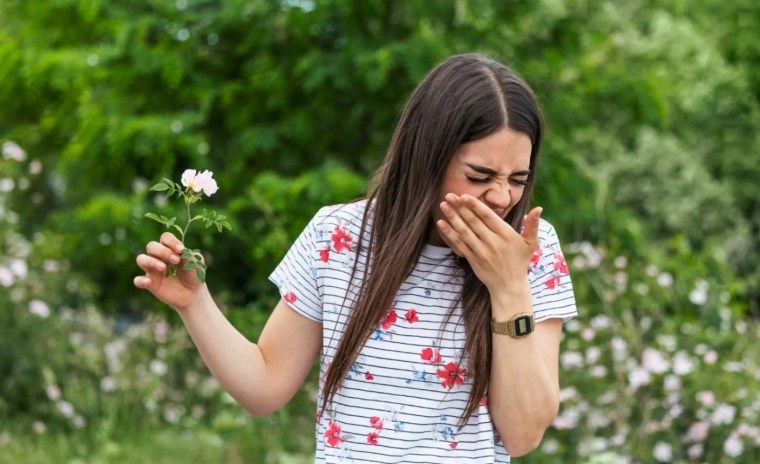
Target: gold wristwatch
x=519, y=326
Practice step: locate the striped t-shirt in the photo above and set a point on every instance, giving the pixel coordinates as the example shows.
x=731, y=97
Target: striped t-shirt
x=403, y=397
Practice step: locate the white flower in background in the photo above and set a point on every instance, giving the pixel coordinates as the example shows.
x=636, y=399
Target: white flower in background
x=695, y=451
x=638, y=377
x=698, y=295
x=723, y=414
x=663, y=452
x=79, y=422
x=733, y=446
x=39, y=308
x=672, y=383
x=39, y=427
x=65, y=408
x=682, y=363
x=665, y=279
x=593, y=354
x=12, y=151
x=654, y=361
x=6, y=185
x=698, y=431
x=711, y=357
x=107, y=384
x=53, y=392
x=600, y=322
x=35, y=167
x=158, y=367
x=550, y=446
x=706, y=398
x=19, y=268
x=567, y=419
x=6, y=277
x=571, y=359
x=200, y=181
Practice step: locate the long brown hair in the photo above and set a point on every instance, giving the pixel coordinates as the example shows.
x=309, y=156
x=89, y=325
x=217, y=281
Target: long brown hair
x=465, y=98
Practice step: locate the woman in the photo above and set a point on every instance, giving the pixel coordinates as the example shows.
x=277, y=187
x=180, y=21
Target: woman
x=435, y=343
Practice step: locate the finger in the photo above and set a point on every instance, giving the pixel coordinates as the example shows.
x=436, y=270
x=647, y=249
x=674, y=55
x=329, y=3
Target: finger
x=162, y=252
x=171, y=241
x=486, y=214
x=530, y=230
x=473, y=221
x=463, y=231
x=455, y=240
x=142, y=282
x=150, y=264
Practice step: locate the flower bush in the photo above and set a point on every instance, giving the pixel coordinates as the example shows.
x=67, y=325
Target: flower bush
x=658, y=367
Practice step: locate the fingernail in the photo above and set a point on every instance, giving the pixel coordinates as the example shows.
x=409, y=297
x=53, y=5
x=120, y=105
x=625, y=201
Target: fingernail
x=180, y=248
x=174, y=259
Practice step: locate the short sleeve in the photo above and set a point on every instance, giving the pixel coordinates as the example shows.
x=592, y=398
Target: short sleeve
x=551, y=288
x=296, y=275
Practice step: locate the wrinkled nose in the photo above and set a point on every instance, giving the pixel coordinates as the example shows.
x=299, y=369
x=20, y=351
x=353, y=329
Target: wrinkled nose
x=499, y=199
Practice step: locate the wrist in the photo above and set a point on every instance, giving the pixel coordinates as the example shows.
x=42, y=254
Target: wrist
x=508, y=302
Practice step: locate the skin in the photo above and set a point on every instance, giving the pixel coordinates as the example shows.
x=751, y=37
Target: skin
x=524, y=381
x=264, y=376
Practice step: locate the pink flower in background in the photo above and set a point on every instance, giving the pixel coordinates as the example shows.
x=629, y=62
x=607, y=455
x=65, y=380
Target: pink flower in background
x=698, y=431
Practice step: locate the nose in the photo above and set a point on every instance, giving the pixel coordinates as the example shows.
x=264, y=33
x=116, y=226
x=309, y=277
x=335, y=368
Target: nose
x=498, y=198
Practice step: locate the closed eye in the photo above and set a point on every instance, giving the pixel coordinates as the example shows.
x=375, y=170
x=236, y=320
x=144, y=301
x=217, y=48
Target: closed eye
x=519, y=181
x=478, y=180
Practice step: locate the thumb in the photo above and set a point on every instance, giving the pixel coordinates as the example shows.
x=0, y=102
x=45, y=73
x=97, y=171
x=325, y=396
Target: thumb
x=530, y=231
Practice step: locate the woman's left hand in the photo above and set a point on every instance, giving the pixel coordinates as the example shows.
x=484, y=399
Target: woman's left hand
x=498, y=254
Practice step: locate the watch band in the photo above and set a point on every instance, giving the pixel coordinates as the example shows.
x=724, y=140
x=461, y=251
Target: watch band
x=519, y=326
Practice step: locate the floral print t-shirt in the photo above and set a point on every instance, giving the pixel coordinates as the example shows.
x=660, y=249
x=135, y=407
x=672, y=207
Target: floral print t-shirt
x=403, y=396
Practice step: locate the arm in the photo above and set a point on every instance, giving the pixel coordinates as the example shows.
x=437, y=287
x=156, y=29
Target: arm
x=523, y=385
x=261, y=377
x=523, y=390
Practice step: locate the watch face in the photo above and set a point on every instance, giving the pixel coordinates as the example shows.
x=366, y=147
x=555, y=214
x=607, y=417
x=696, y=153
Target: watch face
x=523, y=326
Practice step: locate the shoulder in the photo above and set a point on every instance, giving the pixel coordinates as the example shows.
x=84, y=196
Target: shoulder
x=547, y=235
x=346, y=216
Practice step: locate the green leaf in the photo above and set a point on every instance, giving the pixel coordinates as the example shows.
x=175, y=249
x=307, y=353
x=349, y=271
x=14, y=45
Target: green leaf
x=178, y=228
x=188, y=265
x=187, y=253
x=160, y=187
x=201, y=274
x=156, y=217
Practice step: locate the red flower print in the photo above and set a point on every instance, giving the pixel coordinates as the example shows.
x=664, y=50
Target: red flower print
x=390, y=319
x=552, y=282
x=451, y=375
x=431, y=355
x=560, y=265
x=324, y=254
x=536, y=257
x=333, y=434
x=368, y=375
x=453, y=445
x=411, y=316
x=372, y=438
x=341, y=240
x=376, y=422
x=290, y=297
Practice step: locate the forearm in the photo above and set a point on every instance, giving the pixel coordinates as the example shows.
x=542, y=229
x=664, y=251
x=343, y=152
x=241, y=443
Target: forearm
x=523, y=395
x=236, y=363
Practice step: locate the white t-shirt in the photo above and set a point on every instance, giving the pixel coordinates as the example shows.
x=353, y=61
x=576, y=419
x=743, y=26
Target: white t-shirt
x=403, y=397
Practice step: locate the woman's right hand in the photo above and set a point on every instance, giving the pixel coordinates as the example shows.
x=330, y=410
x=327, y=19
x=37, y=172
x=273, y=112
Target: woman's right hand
x=178, y=291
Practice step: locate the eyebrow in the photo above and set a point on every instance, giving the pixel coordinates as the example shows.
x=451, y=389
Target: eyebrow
x=492, y=172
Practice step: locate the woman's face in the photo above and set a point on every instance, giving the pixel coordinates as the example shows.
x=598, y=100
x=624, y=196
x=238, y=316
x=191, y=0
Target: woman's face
x=493, y=169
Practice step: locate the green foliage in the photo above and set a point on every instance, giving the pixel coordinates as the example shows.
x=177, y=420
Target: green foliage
x=651, y=157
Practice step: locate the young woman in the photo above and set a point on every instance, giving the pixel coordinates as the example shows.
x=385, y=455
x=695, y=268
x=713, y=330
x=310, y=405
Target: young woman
x=436, y=303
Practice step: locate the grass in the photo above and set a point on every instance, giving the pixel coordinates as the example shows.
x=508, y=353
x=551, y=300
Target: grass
x=280, y=439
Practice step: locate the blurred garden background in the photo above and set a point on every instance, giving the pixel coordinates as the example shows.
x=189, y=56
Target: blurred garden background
x=650, y=173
